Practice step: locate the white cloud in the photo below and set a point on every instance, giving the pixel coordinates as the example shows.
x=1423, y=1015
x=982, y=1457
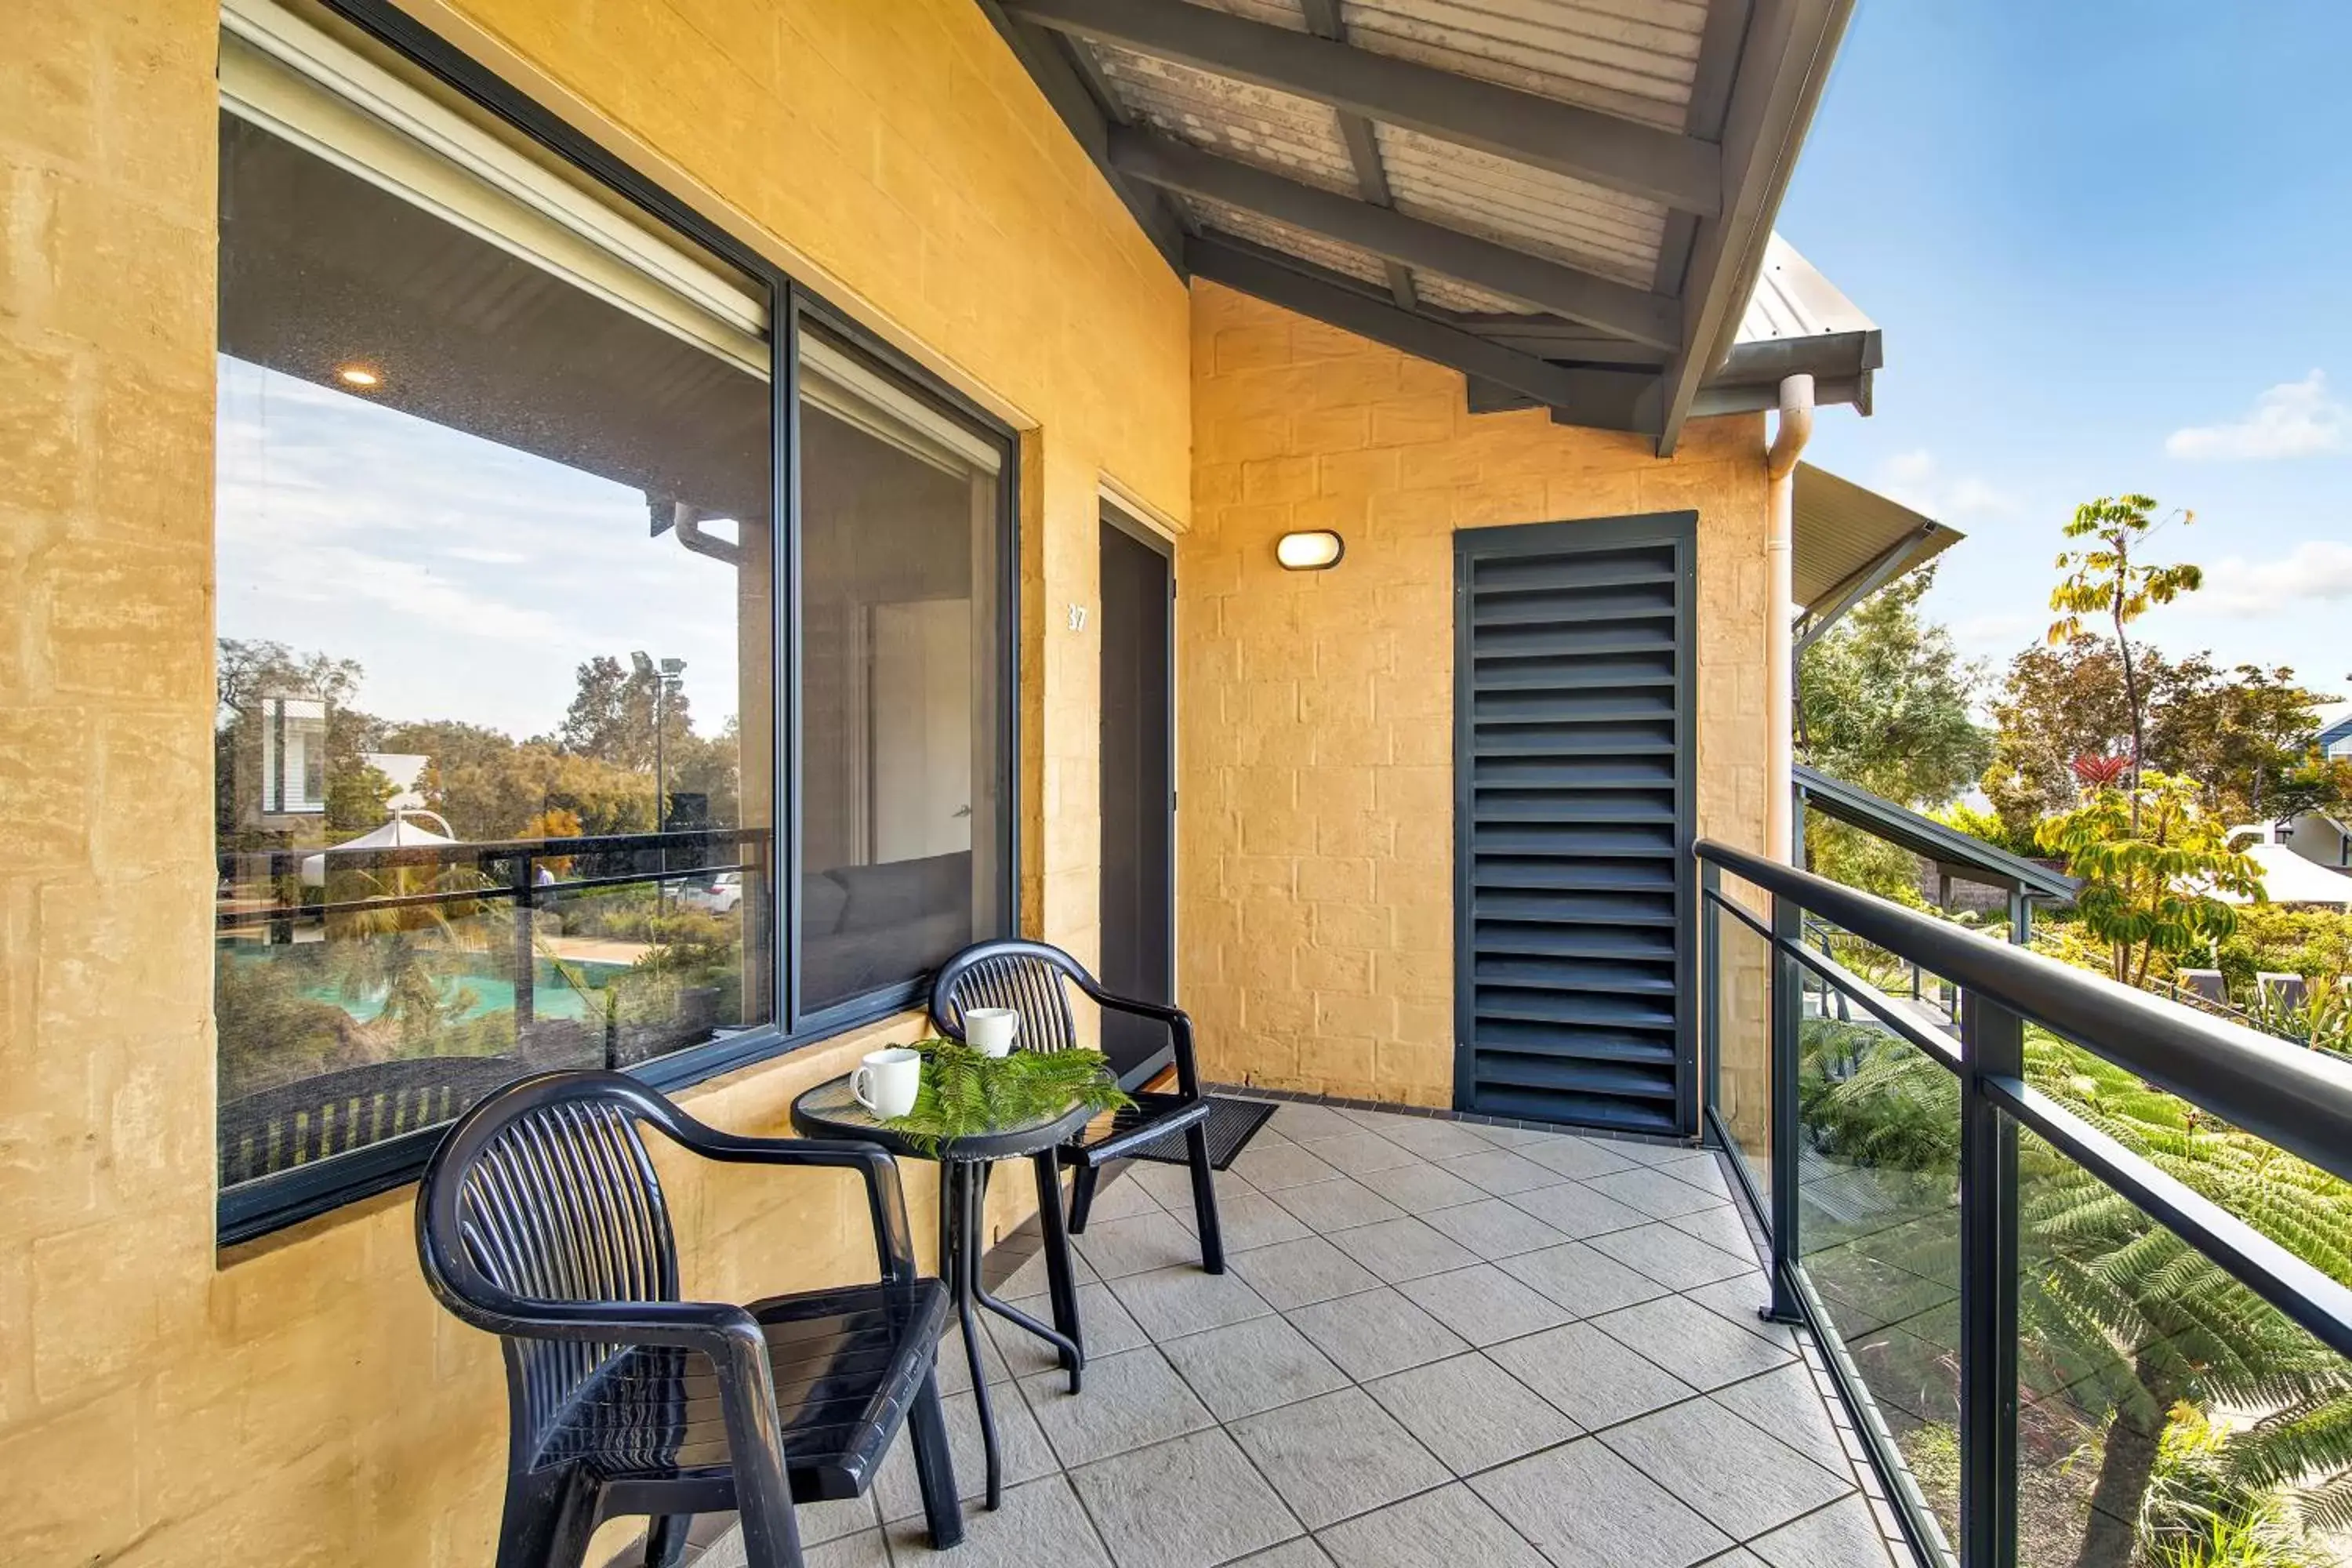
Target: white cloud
x=1917, y=480
x=2292, y=419
x=2317, y=570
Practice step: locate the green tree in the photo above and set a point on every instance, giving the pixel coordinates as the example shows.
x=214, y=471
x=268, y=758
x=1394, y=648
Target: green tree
x=2246, y=734
x=2057, y=702
x=2103, y=580
x=2150, y=862
x=1884, y=699
x=611, y=717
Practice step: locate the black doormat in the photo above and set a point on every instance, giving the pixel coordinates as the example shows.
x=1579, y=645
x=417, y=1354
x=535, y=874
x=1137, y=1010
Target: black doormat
x=1230, y=1125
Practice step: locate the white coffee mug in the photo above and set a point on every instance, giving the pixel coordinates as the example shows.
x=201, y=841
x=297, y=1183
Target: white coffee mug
x=886, y=1081
x=990, y=1030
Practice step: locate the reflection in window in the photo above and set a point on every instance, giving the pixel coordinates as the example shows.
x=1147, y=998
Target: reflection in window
x=902, y=820
x=495, y=684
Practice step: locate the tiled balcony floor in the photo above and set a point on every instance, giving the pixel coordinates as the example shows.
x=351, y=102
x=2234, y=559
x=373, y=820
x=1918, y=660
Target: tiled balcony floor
x=1436, y=1343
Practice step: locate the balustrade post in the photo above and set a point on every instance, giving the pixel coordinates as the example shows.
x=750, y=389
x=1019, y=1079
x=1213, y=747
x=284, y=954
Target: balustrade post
x=1992, y=1044
x=1787, y=1021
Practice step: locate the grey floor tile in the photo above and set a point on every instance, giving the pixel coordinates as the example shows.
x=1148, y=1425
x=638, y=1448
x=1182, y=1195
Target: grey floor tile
x=864, y=1550
x=1104, y=1328
x=1376, y=1333
x=1420, y=1187
x=1572, y=1156
x=1583, y=1506
x=1718, y=1226
x=1400, y=1249
x=1172, y=1302
x=1136, y=1245
x=1786, y=1403
x=1508, y=1137
x=1594, y=1379
x=1128, y=1401
x=1430, y=1137
x=1121, y=1193
x=1739, y=1557
x=1270, y=1170
x=1243, y=1368
x=1493, y=1228
x=822, y=1522
x=1844, y=1536
x=1499, y=1171
x=1577, y=1211
x=1021, y=1445
x=1337, y=1455
x=1450, y=1525
x=1672, y=1258
x=1296, y=1273
x=1736, y=1300
x=1580, y=1279
x=1654, y=1192
x=1741, y=1480
x=1360, y=1151
x=1040, y=1519
x=1470, y=1413
x=1694, y=1344
x=1482, y=1304
x=955, y=1367
x=1191, y=1502
x=1299, y=1122
x=1642, y=1153
x=1170, y=1186
x=1703, y=1170
x=1302, y=1552
x=1332, y=1205
x=1029, y=1280
x=1252, y=1219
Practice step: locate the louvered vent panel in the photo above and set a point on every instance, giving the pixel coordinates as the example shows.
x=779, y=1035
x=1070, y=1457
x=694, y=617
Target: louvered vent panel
x=1573, y=746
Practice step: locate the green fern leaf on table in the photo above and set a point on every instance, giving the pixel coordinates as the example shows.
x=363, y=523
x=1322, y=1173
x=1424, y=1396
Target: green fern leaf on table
x=967, y=1093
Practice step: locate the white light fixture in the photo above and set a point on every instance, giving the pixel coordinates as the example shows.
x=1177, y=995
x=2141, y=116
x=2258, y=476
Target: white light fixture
x=1314, y=551
x=358, y=376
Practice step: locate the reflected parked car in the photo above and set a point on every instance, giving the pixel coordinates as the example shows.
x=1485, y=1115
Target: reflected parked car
x=718, y=895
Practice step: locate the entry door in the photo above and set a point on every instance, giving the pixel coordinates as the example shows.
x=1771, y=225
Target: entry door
x=1139, y=790
x=1572, y=823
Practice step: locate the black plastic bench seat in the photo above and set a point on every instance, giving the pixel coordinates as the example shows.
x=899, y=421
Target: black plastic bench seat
x=843, y=1378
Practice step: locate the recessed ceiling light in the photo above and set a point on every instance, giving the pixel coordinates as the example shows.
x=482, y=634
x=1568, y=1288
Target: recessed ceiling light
x=357, y=375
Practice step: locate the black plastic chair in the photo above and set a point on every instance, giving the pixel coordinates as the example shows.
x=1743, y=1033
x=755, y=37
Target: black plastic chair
x=1030, y=978
x=542, y=1220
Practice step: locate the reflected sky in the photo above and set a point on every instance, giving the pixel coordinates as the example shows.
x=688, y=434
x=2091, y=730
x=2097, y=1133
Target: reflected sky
x=468, y=578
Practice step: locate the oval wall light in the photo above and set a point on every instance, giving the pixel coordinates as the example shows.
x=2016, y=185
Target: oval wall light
x=1314, y=551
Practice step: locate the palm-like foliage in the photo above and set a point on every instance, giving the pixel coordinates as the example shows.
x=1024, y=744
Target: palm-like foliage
x=2121, y=1319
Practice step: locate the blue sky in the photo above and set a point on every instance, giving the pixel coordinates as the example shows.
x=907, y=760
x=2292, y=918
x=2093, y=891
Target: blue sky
x=2109, y=245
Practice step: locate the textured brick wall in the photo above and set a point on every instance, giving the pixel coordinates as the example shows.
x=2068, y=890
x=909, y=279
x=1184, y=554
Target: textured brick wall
x=307, y=1403
x=1316, y=851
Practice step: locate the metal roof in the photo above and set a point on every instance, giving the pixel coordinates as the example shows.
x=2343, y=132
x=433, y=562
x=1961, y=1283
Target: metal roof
x=1852, y=542
x=1969, y=858
x=1570, y=201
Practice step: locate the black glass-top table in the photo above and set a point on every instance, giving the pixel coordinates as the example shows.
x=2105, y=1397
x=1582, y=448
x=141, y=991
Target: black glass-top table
x=830, y=1111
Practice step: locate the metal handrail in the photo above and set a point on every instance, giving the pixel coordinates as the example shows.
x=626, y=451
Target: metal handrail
x=2294, y=1098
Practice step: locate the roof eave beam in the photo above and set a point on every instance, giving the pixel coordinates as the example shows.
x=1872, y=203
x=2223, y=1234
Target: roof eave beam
x=1578, y=296
x=1324, y=21
x=1784, y=63
x=1600, y=400
x=1083, y=111
x=1682, y=172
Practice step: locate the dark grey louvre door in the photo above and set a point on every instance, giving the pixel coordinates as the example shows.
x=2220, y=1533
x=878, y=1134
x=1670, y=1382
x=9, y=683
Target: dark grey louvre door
x=1572, y=822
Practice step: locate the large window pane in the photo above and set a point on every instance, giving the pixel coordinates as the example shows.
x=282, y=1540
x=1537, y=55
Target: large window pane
x=495, y=721
x=902, y=815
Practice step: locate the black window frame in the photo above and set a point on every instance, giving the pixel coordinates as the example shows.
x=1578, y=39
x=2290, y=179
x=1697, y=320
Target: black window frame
x=271, y=1203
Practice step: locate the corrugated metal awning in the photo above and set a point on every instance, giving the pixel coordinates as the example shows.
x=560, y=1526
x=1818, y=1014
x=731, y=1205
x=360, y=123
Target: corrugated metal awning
x=1570, y=201
x=1852, y=542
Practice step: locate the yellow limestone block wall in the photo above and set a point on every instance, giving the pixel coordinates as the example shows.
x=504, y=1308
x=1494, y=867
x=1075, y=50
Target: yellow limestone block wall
x=304, y=1402
x=1316, y=707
